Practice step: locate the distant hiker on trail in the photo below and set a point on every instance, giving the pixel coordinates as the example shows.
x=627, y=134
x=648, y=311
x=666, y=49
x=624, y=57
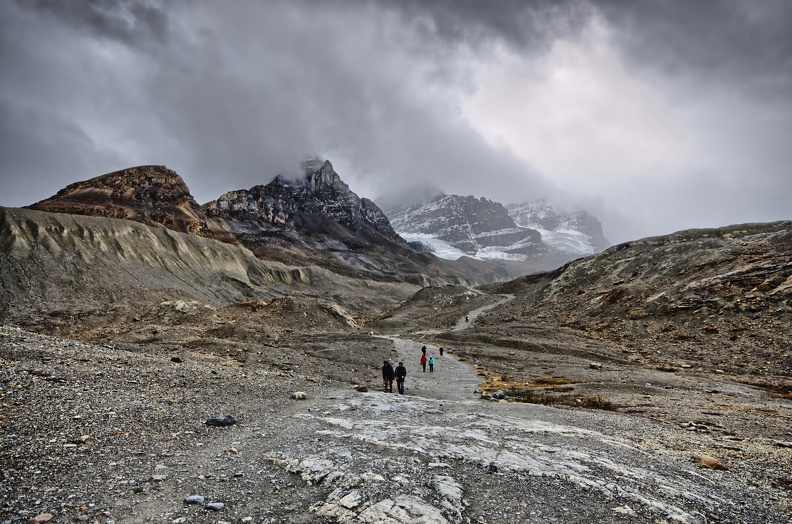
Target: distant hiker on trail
x=441, y=352
x=431, y=364
x=423, y=350
x=388, y=376
x=401, y=372
x=423, y=362
x=467, y=318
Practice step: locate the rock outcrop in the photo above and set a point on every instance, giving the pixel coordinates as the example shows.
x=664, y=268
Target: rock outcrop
x=667, y=300
x=315, y=204
x=152, y=195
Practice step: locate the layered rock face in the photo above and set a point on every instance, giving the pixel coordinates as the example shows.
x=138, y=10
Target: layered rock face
x=153, y=195
x=469, y=224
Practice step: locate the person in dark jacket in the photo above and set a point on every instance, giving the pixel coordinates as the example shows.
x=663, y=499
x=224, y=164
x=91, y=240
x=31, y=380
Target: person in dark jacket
x=387, y=376
x=401, y=372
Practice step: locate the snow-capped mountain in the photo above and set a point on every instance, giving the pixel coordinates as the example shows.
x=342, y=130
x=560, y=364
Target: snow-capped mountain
x=451, y=226
x=576, y=233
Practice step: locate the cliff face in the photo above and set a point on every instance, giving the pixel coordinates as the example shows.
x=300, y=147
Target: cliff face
x=152, y=195
x=577, y=232
x=281, y=204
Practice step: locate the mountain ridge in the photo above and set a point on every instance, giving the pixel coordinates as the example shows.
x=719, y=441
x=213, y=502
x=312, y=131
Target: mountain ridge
x=314, y=219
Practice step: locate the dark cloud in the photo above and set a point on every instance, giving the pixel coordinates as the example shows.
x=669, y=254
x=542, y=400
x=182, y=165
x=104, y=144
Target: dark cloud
x=130, y=21
x=720, y=42
x=231, y=94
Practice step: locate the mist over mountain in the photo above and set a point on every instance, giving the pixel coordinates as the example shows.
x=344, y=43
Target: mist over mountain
x=310, y=219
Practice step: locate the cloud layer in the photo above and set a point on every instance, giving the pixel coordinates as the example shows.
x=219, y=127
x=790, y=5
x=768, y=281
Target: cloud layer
x=656, y=116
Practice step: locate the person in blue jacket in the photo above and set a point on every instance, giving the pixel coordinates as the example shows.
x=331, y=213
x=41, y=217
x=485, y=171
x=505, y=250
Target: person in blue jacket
x=431, y=364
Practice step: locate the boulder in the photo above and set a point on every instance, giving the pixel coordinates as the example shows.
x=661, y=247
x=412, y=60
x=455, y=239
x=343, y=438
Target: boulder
x=708, y=462
x=221, y=420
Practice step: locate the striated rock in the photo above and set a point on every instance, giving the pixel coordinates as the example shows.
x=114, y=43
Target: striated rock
x=39, y=519
x=153, y=195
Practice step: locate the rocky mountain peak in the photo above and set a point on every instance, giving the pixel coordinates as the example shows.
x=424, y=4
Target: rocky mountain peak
x=153, y=195
x=320, y=191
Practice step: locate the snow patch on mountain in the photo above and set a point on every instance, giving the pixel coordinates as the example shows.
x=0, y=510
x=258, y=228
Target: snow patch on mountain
x=451, y=226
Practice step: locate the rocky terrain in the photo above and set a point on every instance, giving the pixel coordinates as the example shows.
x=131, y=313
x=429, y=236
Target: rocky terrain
x=152, y=195
x=148, y=375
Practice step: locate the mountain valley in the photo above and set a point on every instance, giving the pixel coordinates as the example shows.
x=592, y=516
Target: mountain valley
x=650, y=382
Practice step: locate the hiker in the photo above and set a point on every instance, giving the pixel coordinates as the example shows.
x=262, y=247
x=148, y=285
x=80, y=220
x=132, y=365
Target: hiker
x=431, y=364
x=441, y=352
x=423, y=350
x=423, y=362
x=401, y=372
x=387, y=377
x=467, y=318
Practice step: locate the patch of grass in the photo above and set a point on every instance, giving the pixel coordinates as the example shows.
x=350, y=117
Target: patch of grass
x=549, y=381
x=596, y=402
x=549, y=399
x=532, y=397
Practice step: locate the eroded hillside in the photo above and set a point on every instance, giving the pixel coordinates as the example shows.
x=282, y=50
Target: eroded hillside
x=720, y=299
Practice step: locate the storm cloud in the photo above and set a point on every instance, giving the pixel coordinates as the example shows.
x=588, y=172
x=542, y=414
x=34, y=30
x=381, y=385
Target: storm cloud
x=655, y=116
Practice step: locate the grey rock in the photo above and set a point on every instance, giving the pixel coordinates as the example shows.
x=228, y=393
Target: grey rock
x=221, y=420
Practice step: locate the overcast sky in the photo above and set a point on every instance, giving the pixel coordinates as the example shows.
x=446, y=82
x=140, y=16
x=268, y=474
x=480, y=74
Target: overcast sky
x=655, y=116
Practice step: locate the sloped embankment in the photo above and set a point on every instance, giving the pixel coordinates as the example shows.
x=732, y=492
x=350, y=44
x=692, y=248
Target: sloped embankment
x=65, y=264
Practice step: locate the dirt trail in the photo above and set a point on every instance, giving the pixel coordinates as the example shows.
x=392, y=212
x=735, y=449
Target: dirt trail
x=451, y=379
x=466, y=322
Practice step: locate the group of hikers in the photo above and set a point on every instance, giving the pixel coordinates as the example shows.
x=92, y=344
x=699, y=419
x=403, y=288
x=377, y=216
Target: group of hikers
x=389, y=374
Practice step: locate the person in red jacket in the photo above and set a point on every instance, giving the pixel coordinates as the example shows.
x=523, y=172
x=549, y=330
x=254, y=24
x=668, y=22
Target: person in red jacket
x=423, y=362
